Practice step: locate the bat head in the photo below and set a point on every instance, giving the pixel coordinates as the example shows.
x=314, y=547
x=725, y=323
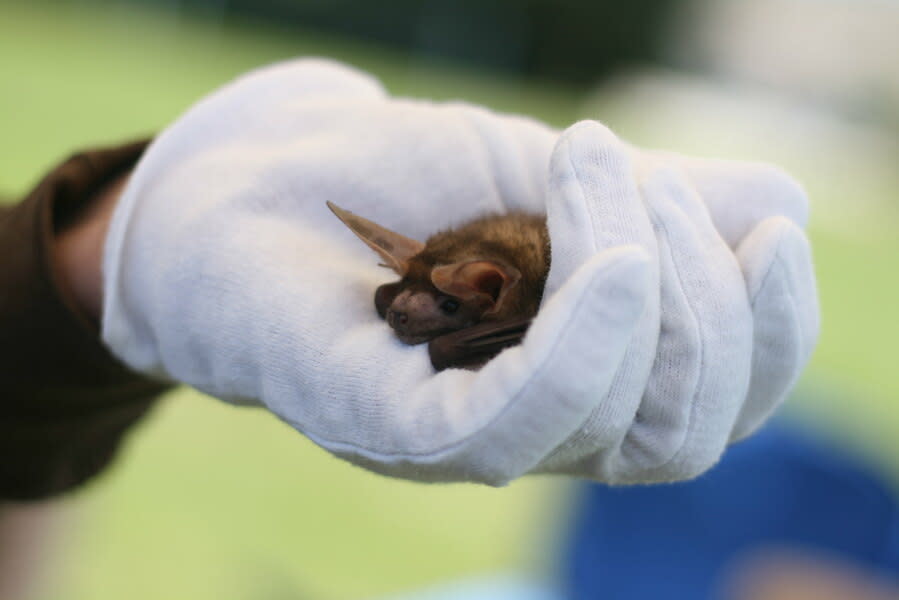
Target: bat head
x=433, y=296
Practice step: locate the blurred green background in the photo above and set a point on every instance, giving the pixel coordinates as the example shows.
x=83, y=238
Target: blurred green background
x=210, y=501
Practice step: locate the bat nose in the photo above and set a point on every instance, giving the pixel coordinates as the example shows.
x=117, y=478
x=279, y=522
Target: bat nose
x=396, y=318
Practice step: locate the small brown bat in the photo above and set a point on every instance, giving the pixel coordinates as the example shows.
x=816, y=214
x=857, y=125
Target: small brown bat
x=470, y=291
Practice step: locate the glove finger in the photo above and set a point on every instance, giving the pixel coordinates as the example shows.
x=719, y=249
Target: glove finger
x=740, y=195
x=302, y=78
x=777, y=266
x=702, y=366
x=593, y=203
x=495, y=425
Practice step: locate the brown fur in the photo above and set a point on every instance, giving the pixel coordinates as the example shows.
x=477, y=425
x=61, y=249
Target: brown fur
x=518, y=239
x=491, y=269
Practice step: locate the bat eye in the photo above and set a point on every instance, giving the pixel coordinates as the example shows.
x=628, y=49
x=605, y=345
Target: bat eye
x=449, y=306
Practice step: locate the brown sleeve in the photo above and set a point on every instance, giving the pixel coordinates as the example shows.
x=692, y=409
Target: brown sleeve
x=65, y=402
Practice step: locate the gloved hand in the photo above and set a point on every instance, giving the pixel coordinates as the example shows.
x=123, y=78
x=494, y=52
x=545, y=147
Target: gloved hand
x=225, y=270
x=724, y=340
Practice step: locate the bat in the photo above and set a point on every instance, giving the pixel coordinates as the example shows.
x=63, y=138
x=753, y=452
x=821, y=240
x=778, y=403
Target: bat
x=470, y=291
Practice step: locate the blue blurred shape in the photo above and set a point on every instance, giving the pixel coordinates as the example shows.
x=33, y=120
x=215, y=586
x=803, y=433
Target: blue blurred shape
x=780, y=488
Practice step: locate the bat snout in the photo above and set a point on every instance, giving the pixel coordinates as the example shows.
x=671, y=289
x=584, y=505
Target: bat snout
x=411, y=315
x=396, y=319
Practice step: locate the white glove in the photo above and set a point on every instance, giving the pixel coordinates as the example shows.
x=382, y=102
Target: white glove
x=725, y=339
x=225, y=270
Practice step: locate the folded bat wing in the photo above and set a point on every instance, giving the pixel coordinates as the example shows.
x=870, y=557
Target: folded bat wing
x=473, y=346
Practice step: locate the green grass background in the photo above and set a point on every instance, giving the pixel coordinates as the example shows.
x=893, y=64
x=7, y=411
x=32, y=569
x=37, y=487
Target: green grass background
x=210, y=501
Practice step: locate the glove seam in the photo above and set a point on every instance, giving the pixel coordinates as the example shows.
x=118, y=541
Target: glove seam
x=583, y=201
x=777, y=261
x=576, y=434
x=789, y=283
x=700, y=381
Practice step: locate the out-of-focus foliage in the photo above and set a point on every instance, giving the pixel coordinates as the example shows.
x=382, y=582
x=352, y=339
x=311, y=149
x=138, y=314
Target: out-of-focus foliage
x=571, y=40
x=77, y=73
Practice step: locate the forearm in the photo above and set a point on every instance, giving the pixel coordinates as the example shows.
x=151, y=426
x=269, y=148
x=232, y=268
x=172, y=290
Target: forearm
x=78, y=248
x=66, y=401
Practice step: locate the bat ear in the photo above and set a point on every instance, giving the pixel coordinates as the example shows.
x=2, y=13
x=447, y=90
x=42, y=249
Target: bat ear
x=485, y=281
x=393, y=248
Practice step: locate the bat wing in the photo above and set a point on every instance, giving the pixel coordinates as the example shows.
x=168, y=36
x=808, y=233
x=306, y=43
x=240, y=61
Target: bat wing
x=470, y=348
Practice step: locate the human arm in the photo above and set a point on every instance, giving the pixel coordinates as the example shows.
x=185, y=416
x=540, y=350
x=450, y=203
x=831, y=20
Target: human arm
x=67, y=402
x=78, y=248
